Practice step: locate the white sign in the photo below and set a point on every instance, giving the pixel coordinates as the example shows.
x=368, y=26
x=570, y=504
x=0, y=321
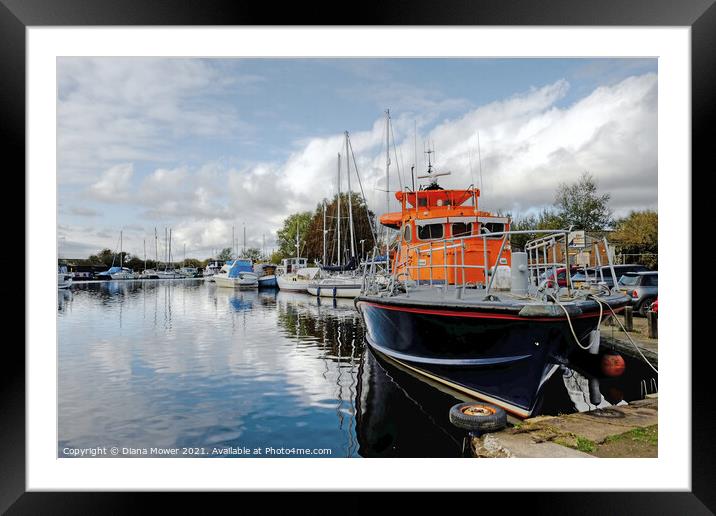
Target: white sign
x=576, y=239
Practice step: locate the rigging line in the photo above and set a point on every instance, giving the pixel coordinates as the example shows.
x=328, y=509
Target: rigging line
x=395, y=153
x=360, y=183
x=479, y=155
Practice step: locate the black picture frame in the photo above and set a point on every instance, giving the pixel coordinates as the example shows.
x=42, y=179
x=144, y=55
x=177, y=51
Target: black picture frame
x=17, y=15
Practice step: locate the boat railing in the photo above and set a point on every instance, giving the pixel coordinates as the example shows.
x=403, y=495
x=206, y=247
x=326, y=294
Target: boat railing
x=411, y=261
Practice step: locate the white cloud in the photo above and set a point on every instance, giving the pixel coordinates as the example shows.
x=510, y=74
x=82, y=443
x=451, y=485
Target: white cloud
x=113, y=185
x=132, y=109
x=529, y=144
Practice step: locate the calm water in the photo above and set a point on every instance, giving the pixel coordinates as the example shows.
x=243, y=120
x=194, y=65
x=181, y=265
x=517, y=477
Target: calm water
x=182, y=364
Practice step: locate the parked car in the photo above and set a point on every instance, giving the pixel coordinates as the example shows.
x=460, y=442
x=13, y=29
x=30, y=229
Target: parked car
x=642, y=287
x=595, y=274
x=561, y=275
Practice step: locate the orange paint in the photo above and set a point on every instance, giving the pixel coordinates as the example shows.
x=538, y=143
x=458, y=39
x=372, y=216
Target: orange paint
x=431, y=215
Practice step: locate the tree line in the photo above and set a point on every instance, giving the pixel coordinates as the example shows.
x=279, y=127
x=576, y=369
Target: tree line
x=580, y=205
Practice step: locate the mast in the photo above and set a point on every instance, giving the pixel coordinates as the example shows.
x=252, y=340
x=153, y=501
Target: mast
x=324, y=232
x=233, y=239
x=297, y=245
x=166, y=249
x=145, y=254
x=156, y=249
x=121, y=258
x=243, y=251
x=387, y=185
x=350, y=200
x=184, y=255
x=387, y=162
x=170, y=246
x=339, y=209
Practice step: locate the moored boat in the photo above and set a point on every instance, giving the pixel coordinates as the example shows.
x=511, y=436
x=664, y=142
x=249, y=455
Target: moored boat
x=64, y=278
x=237, y=274
x=336, y=286
x=293, y=273
x=266, y=273
x=460, y=308
x=297, y=280
x=211, y=270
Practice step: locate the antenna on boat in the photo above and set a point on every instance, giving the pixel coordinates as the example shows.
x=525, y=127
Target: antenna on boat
x=415, y=143
x=479, y=155
x=430, y=174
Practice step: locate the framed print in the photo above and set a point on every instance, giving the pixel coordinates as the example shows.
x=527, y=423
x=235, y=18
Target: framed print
x=417, y=252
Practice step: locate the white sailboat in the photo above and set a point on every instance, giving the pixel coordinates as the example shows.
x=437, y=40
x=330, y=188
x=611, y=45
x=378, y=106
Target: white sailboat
x=151, y=273
x=293, y=273
x=339, y=281
x=117, y=273
x=168, y=273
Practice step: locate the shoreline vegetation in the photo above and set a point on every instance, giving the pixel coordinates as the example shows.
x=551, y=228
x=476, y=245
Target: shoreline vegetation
x=578, y=204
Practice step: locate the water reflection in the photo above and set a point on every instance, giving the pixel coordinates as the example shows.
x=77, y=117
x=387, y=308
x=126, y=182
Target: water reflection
x=183, y=363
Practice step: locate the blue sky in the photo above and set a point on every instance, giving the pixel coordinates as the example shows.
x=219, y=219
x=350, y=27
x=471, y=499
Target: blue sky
x=204, y=144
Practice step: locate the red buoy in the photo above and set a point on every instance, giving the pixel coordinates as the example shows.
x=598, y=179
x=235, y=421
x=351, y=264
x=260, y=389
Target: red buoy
x=613, y=365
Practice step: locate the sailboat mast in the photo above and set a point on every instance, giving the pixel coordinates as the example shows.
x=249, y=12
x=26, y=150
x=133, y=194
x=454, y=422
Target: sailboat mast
x=156, y=250
x=339, y=209
x=121, y=258
x=387, y=160
x=170, y=246
x=298, y=250
x=324, y=232
x=145, y=254
x=350, y=200
x=243, y=251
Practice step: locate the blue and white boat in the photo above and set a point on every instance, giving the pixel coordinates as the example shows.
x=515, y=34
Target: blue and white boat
x=267, y=275
x=237, y=274
x=116, y=273
x=64, y=278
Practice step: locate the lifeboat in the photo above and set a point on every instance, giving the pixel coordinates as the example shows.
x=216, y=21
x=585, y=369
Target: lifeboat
x=463, y=309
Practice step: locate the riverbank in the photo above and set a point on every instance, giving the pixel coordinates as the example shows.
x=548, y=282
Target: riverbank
x=617, y=431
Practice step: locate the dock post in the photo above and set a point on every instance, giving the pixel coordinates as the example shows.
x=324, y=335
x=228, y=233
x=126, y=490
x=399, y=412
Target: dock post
x=628, y=318
x=653, y=322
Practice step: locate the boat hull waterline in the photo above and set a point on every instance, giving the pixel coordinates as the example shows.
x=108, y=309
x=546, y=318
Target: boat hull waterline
x=500, y=358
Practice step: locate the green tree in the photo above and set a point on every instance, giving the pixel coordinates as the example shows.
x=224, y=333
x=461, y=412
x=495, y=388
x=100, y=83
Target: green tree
x=276, y=257
x=251, y=253
x=545, y=219
x=134, y=263
x=363, y=220
x=638, y=233
x=105, y=257
x=287, y=234
x=224, y=255
x=578, y=204
x=192, y=262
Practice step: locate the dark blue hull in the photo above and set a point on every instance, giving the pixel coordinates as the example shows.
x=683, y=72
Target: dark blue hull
x=498, y=357
x=268, y=282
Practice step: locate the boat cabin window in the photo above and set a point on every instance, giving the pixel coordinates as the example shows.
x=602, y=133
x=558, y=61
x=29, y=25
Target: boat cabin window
x=408, y=233
x=422, y=201
x=495, y=227
x=461, y=229
x=430, y=231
